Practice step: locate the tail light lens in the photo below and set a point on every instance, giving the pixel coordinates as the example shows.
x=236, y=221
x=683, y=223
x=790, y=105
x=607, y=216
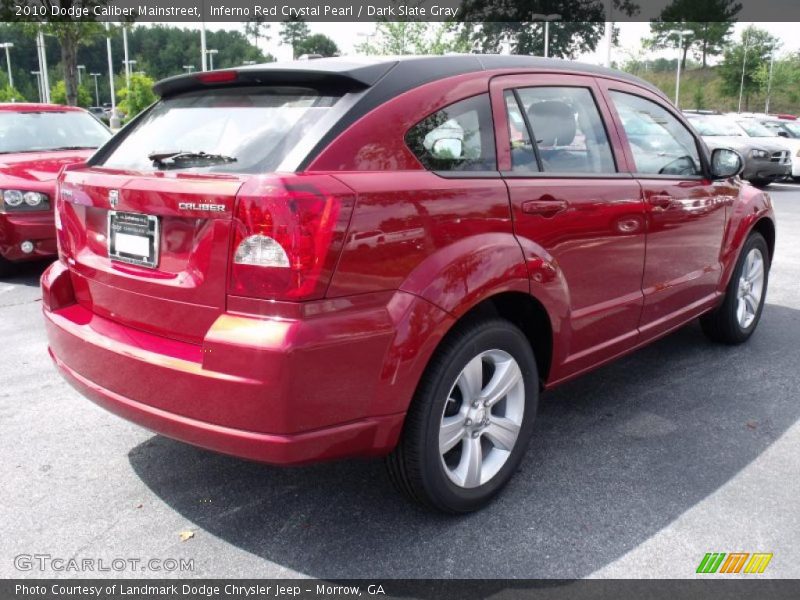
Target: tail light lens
x=288, y=233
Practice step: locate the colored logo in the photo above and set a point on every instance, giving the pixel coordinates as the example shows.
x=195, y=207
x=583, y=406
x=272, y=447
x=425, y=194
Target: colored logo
x=734, y=562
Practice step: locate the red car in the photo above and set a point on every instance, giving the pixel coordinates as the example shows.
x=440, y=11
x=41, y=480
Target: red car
x=36, y=140
x=292, y=263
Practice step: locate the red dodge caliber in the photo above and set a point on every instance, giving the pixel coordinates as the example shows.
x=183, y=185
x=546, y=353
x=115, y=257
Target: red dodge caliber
x=36, y=140
x=307, y=261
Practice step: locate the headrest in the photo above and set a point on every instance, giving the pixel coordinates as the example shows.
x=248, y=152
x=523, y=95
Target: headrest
x=553, y=123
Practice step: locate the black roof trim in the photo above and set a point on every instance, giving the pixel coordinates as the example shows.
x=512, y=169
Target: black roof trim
x=358, y=73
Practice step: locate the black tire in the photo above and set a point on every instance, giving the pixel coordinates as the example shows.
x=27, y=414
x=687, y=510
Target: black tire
x=796, y=179
x=721, y=324
x=761, y=183
x=416, y=466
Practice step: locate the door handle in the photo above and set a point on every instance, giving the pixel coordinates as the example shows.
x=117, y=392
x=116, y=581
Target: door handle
x=661, y=201
x=544, y=207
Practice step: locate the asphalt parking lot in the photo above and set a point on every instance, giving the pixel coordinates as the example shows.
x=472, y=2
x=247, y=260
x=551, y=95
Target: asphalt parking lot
x=636, y=470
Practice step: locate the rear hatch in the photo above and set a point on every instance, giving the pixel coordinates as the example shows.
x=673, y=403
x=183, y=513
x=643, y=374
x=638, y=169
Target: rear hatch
x=176, y=285
x=148, y=226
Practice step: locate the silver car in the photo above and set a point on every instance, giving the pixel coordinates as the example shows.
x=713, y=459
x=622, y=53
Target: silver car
x=765, y=159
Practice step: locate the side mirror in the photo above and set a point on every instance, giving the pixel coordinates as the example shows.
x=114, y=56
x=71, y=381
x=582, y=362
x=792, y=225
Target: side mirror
x=783, y=134
x=447, y=149
x=725, y=163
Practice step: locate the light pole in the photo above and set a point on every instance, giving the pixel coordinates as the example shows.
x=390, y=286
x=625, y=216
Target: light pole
x=128, y=71
x=680, y=33
x=211, y=52
x=125, y=60
x=96, y=89
x=547, y=19
x=38, y=82
x=769, y=81
x=744, y=65
x=609, y=31
x=80, y=68
x=113, y=118
x=44, y=83
x=188, y=68
x=203, y=56
x=8, y=46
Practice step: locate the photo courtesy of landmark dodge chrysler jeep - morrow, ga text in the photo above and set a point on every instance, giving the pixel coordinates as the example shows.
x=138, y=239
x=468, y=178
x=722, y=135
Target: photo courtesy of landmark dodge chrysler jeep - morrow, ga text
x=392, y=257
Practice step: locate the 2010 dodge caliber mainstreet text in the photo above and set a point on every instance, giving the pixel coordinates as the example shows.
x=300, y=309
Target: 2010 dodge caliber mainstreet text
x=307, y=261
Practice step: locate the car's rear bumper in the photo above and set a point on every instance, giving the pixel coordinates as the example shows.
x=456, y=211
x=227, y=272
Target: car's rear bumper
x=266, y=390
x=36, y=227
x=369, y=436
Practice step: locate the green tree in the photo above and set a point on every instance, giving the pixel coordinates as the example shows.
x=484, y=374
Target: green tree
x=9, y=94
x=139, y=97
x=317, y=43
x=293, y=32
x=58, y=95
x=396, y=38
x=71, y=34
x=785, y=77
x=751, y=55
x=258, y=29
x=490, y=25
x=709, y=21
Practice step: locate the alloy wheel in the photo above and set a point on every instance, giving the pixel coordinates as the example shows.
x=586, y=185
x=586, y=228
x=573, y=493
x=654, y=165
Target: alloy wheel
x=750, y=288
x=482, y=418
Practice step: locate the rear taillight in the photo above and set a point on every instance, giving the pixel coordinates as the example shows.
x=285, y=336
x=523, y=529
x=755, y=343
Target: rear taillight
x=288, y=233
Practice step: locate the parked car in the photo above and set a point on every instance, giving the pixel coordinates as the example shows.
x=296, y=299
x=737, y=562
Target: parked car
x=789, y=129
x=765, y=160
x=36, y=140
x=759, y=131
x=99, y=112
x=391, y=257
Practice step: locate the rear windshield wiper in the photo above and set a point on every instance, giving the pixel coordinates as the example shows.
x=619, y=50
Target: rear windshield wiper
x=177, y=158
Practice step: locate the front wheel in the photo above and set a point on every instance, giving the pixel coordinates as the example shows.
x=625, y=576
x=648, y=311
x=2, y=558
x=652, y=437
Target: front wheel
x=471, y=419
x=761, y=183
x=736, y=319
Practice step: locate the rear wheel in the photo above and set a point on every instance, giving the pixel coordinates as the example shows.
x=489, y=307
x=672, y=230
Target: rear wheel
x=737, y=318
x=471, y=419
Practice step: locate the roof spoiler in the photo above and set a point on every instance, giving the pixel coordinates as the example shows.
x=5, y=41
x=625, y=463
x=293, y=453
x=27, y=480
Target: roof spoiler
x=346, y=77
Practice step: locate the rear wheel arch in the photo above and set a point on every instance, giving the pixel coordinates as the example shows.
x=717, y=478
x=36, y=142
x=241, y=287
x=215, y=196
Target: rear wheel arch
x=526, y=312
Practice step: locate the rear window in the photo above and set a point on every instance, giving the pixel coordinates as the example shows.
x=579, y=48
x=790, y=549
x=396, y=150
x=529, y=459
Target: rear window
x=48, y=130
x=257, y=127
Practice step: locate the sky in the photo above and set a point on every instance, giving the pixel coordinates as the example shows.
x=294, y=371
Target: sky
x=348, y=35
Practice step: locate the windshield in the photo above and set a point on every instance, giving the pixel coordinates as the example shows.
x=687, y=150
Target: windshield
x=252, y=129
x=756, y=129
x=41, y=131
x=792, y=127
x=715, y=126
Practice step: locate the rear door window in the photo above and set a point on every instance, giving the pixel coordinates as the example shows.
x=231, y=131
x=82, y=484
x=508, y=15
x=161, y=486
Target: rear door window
x=257, y=127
